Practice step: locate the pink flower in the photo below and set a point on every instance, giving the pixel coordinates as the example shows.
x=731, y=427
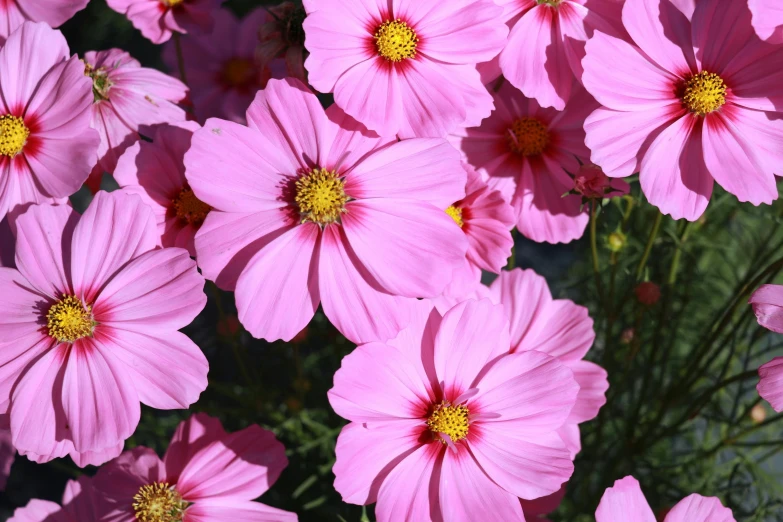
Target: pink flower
x=47, y=147
x=13, y=13
x=89, y=326
x=686, y=105
x=222, y=70
x=158, y=19
x=81, y=503
x=767, y=303
x=767, y=19
x=591, y=182
x=559, y=328
x=406, y=68
x=625, y=502
x=283, y=37
x=128, y=96
x=156, y=173
x=526, y=153
x=546, y=44
x=205, y=475
x=309, y=207
x=770, y=386
x=485, y=219
x=446, y=424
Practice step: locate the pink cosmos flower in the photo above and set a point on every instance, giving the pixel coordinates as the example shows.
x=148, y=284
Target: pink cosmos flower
x=81, y=503
x=13, y=13
x=221, y=67
x=446, y=424
x=485, y=219
x=767, y=303
x=154, y=170
x=205, y=475
x=625, y=502
x=526, y=153
x=47, y=147
x=547, y=40
x=283, y=36
x=128, y=96
x=767, y=19
x=7, y=456
x=159, y=19
x=405, y=68
x=687, y=105
x=309, y=206
x=591, y=182
x=89, y=329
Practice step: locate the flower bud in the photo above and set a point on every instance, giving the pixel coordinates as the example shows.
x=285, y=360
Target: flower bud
x=648, y=293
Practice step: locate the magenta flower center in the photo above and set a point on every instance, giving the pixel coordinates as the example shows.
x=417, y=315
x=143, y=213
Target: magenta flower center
x=320, y=195
x=13, y=135
x=396, y=41
x=238, y=72
x=189, y=208
x=158, y=502
x=704, y=93
x=528, y=137
x=69, y=320
x=456, y=214
x=447, y=419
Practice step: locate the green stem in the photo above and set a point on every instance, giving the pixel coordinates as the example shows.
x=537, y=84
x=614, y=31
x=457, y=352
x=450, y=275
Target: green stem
x=648, y=248
x=594, y=249
x=180, y=57
x=675, y=266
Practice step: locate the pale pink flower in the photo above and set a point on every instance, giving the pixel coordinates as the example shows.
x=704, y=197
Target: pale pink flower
x=591, y=182
x=159, y=19
x=128, y=96
x=687, y=105
x=446, y=424
x=309, y=206
x=89, y=328
x=283, y=36
x=81, y=503
x=222, y=70
x=625, y=502
x=528, y=154
x=546, y=43
x=205, y=475
x=404, y=68
x=154, y=170
x=767, y=303
x=13, y=13
x=767, y=19
x=47, y=147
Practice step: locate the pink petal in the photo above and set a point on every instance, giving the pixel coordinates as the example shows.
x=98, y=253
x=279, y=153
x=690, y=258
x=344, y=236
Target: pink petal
x=544, y=505
x=471, y=335
x=663, y=32
x=417, y=342
x=160, y=289
x=571, y=437
x=53, y=12
x=7, y=456
x=383, y=231
x=148, y=359
x=767, y=19
x=673, y=174
x=767, y=303
x=105, y=239
x=277, y=293
x=366, y=455
x=410, y=491
x=352, y=141
x=220, y=510
x=81, y=500
x=720, y=30
x=96, y=457
x=522, y=293
x=377, y=382
x=770, y=386
x=39, y=511
x=695, y=508
x=191, y=435
x=624, y=502
x=593, y=383
x=121, y=479
x=467, y=494
x=241, y=466
x=18, y=352
x=361, y=312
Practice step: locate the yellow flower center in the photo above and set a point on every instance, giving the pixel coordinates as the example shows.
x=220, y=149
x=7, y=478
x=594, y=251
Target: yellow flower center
x=13, y=135
x=238, y=72
x=158, y=502
x=456, y=214
x=172, y=3
x=189, y=208
x=69, y=320
x=449, y=420
x=528, y=137
x=553, y=3
x=321, y=197
x=396, y=41
x=704, y=93
x=100, y=81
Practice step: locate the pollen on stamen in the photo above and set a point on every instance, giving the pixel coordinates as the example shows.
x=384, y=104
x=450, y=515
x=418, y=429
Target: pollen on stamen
x=451, y=420
x=13, y=135
x=455, y=213
x=320, y=196
x=396, y=41
x=527, y=136
x=158, y=502
x=69, y=320
x=704, y=93
x=100, y=81
x=189, y=208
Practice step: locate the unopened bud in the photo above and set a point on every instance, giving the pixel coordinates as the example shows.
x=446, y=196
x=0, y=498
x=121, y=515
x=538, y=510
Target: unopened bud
x=616, y=241
x=648, y=293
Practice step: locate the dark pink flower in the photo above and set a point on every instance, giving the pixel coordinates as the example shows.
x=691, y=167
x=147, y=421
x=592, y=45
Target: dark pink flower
x=591, y=182
x=282, y=36
x=158, y=19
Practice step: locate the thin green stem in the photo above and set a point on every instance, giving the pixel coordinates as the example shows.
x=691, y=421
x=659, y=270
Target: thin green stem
x=594, y=249
x=648, y=248
x=675, y=266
